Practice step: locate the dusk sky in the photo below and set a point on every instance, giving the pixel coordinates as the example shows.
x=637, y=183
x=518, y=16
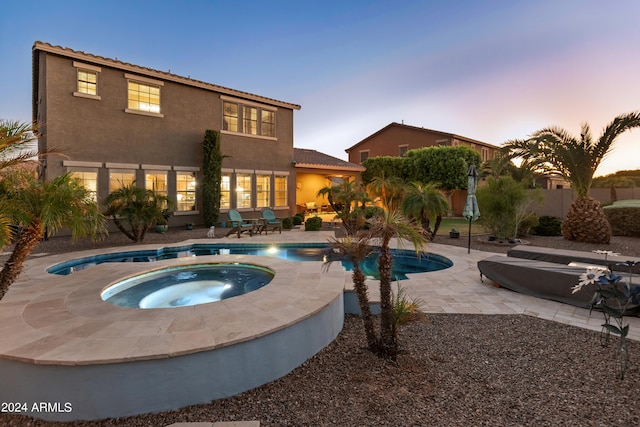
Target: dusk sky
x=487, y=70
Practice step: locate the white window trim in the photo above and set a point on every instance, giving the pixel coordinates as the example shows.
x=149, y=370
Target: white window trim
x=79, y=164
x=143, y=113
x=248, y=135
x=87, y=95
x=84, y=66
x=249, y=103
x=186, y=168
x=156, y=167
x=122, y=166
x=143, y=79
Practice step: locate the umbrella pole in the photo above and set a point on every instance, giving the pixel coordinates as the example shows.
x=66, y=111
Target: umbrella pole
x=469, y=242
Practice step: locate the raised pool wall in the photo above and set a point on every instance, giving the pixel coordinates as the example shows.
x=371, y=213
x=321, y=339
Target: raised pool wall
x=131, y=388
x=63, y=345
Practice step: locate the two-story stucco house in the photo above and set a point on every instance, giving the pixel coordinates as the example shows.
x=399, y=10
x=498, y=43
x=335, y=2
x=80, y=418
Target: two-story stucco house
x=117, y=122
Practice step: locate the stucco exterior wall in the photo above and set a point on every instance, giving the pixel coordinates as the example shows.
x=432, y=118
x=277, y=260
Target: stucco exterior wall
x=100, y=132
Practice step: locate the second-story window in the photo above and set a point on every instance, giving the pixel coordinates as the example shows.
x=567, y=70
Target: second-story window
x=364, y=155
x=268, y=123
x=144, y=97
x=248, y=118
x=230, y=116
x=87, y=82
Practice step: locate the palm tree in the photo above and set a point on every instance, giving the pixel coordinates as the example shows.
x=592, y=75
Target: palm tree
x=392, y=223
x=424, y=201
x=137, y=208
x=344, y=198
x=14, y=138
x=355, y=250
x=554, y=150
x=37, y=206
x=390, y=190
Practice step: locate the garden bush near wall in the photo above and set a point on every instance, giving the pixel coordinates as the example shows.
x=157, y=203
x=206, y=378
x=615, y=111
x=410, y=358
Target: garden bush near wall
x=287, y=223
x=313, y=224
x=548, y=226
x=298, y=219
x=624, y=217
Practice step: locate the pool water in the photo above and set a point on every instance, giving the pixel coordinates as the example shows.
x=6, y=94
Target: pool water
x=404, y=261
x=187, y=285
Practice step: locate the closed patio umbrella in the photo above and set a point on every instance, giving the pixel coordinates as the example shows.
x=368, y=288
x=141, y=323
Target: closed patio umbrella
x=471, y=211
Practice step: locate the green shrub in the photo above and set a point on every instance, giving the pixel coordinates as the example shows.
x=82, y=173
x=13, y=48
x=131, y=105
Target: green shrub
x=548, y=226
x=298, y=219
x=287, y=223
x=624, y=218
x=505, y=206
x=313, y=224
x=527, y=224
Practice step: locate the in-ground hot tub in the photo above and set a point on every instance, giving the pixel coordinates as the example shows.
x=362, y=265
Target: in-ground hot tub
x=187, y=285
x=87, y=359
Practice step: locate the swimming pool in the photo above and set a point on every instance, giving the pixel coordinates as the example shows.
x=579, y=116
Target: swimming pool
x=404, y=261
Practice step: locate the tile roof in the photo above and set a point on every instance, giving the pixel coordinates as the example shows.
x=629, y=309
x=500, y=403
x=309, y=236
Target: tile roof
x=425, y=130
x=314, y=159
x=115, y=63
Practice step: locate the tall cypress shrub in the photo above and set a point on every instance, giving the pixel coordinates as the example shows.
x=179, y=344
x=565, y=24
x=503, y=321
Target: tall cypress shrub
x=212, y=176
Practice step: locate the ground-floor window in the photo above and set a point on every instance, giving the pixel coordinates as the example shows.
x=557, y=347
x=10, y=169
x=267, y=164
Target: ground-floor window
x=119, y=178
x=156, y=181
x=225, y=191
x=89, y=180
x=185, y=191
x=243, y=190
x=280, y=192
x=263, y=191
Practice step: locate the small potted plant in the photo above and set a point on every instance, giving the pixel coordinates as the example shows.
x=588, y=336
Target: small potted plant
x=162, y=221
x=454, y=234
x=188, y=226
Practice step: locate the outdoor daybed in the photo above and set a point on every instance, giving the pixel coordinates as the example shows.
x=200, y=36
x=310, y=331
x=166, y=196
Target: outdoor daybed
x=536, y=278
x=562, y=256
x=543, y=279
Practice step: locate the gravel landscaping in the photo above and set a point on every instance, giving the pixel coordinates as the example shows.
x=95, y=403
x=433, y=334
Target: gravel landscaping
x=455, y=370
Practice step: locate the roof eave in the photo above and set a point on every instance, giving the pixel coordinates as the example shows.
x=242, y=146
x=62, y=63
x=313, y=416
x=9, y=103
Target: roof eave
x=112, y=63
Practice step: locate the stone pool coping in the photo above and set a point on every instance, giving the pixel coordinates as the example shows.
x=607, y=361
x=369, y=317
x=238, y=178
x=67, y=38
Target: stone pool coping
x=61, y=320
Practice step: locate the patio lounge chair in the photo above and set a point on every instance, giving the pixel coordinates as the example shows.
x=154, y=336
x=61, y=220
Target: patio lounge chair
x=269, y=220
x=563, y=256
x=239, y=225
x=540, y=279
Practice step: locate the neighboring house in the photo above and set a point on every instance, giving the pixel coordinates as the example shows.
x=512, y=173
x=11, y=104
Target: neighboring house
x=117, y=122
x=315, y=170
x=396, y=139
x=552, y=182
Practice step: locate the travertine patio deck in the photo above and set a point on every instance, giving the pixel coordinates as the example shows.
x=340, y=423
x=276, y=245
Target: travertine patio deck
x=32, y=326
x=61, y=321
